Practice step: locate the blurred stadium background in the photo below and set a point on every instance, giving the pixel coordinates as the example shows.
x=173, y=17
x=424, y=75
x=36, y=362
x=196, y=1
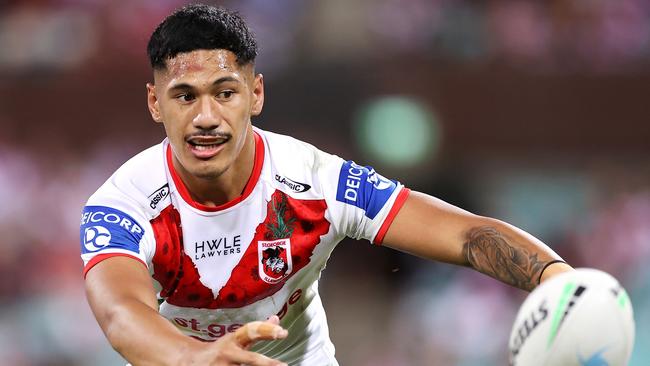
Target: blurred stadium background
x=535, y=112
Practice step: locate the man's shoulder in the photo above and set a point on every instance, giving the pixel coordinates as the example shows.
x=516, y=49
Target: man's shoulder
x=299, y=168
x=141, y=180
x=280, y=141
x=289, y=151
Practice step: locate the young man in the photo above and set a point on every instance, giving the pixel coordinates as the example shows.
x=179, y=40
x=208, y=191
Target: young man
x=234, y=224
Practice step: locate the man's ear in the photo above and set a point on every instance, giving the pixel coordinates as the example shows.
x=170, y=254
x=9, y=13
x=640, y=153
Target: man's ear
x=152, y=103
x=258, y=95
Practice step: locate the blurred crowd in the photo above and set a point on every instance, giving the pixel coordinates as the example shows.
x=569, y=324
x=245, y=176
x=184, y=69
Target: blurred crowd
x=72, y=109
x=560, y=35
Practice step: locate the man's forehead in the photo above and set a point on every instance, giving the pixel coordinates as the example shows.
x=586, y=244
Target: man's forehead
x=198, y=61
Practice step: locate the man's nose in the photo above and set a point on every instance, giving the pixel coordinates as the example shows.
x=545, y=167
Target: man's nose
x=208, y=116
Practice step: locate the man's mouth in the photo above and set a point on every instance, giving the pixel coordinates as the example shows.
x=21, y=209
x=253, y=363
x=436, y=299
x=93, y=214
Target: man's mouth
x=205, y=147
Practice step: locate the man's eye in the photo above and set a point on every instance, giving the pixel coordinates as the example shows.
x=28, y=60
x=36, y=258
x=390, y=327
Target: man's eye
x=185, y=97
x=226, y=94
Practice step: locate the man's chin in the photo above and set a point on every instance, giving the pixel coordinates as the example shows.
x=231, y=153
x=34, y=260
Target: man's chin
x=207, y=170
x=207, y=173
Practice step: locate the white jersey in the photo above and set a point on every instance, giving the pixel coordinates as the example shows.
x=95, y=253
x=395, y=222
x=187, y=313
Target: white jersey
x=216, y=268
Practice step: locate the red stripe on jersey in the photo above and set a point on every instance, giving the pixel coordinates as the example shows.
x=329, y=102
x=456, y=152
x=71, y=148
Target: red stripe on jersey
x=167, y=269
x=399, y=202
x=98, y=258
x=250, y=184
x=301, y=221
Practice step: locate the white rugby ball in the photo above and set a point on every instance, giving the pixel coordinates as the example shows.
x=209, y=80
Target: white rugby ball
x=581, y=318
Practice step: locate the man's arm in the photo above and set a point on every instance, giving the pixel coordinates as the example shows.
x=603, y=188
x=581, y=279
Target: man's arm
x=433, y=229
x=122, y=297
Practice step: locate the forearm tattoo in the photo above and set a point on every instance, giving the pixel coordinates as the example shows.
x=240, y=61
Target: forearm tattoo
x=491, y=252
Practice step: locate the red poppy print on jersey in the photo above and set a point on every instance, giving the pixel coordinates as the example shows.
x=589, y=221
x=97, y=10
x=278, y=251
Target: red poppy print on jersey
x=302, y=222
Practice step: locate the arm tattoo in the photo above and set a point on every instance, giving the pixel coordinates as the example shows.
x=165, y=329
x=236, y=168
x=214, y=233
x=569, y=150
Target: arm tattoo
x=494, y=254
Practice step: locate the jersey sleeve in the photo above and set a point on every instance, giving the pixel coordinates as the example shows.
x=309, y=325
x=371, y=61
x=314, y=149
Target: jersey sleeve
x=113, y=225
x=363, y=203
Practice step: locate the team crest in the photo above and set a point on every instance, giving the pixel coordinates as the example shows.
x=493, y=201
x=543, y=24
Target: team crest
x=274, y=260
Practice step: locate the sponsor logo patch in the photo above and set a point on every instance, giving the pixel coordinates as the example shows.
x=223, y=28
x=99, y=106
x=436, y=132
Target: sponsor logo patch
x=96, y=238
x=158, y=196
x=105, y=227
x=292, y=184
x=363, y=187
x=274, y=260
x=217, y=247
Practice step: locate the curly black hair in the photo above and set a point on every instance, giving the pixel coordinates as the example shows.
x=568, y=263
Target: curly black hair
x=201, y=27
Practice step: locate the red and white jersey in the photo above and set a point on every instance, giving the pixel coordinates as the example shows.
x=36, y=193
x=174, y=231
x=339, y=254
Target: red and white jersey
x=216, y=268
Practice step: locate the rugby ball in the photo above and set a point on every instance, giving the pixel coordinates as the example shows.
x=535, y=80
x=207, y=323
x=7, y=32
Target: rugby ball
x=578, y=318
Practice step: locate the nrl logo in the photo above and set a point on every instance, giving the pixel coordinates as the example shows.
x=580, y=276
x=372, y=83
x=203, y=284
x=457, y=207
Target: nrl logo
x=274, y=260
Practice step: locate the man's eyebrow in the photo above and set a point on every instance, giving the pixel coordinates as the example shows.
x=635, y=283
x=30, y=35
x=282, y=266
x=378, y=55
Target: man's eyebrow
x=185, y=86
x=225, y=79
x=181, y=86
